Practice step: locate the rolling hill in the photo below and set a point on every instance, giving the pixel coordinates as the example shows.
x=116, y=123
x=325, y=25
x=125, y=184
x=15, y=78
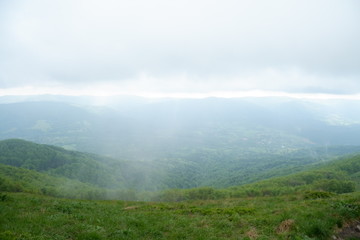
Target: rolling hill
x=96, y=172
x=194, y=169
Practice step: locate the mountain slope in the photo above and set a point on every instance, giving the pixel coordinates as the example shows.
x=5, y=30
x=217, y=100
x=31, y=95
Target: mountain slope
x=337, y=176
x=88, y=168
x=57, y=161
x=185, y=169
x=321, y=180
x=15, y=179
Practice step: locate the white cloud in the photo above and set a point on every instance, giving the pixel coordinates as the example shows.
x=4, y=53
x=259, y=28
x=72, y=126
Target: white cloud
x=181, y=46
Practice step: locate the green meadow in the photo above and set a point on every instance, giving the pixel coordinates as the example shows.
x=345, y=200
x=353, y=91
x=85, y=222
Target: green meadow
x=312, y=215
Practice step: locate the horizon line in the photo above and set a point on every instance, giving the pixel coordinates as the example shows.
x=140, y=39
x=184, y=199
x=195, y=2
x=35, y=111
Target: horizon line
x=177, y=95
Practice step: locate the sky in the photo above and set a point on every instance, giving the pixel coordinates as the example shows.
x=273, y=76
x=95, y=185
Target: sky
x=180, y=47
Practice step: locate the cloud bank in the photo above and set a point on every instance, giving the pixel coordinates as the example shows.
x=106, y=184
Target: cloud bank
x=181, y=46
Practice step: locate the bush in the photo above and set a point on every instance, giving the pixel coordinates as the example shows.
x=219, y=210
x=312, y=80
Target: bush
x=317, y=194
x=203, y=193
x=347, y=209
x=335, y=186
x=3, y=197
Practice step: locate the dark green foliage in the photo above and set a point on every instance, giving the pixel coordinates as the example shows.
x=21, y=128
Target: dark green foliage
x=317, y=194
x=348, y=210
x=3, y=197
x=319, y=229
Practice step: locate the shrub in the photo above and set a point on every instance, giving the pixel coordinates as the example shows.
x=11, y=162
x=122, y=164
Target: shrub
x=347, y=209
x=336, y=186
x=317, y=194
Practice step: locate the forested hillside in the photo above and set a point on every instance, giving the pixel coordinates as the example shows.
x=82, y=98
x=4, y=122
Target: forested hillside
x=187, y=170
x=106, y=178
x=87, y=168
x=334, y=177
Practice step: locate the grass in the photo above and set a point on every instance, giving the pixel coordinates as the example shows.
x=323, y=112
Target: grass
x=27, y=216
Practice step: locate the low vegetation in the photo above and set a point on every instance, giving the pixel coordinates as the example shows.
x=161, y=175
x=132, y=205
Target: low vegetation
x=28, y=216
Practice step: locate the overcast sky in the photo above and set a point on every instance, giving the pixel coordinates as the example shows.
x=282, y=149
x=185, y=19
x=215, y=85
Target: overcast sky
x=179, y=46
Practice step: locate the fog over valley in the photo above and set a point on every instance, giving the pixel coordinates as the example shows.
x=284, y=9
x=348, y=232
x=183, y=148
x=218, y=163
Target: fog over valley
x=212, y=141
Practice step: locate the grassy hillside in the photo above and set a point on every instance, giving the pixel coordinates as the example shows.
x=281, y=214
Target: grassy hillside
x=312, y=204
x=25, y=216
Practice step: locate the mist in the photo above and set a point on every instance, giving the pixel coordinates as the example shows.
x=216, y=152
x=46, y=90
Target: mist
x=149, y=144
